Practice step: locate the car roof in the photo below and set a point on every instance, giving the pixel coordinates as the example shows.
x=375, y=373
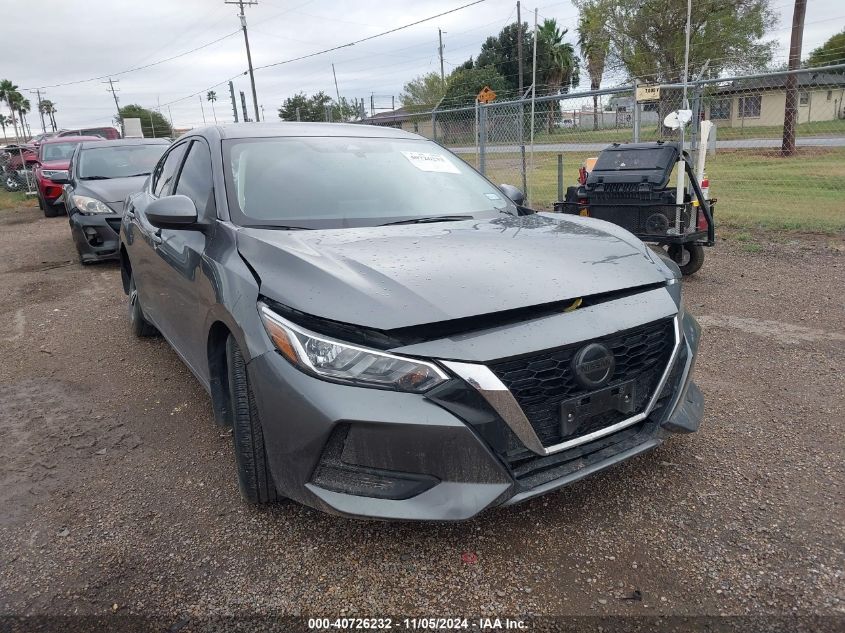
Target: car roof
x=70, y=139
x=123, y=141
x=283, y=129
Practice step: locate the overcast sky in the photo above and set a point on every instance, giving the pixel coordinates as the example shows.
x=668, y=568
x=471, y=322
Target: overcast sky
x=69, y=40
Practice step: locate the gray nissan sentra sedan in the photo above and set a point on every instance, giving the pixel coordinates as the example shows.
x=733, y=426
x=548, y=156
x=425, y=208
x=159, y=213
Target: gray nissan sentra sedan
x=388, y=334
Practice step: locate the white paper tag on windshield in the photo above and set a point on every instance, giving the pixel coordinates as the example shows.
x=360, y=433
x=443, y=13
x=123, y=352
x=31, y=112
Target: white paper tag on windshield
x=431, y=162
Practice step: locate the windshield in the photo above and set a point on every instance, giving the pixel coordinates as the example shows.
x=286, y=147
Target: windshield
x=57, y=151
x=333, y=182
x=118, y=161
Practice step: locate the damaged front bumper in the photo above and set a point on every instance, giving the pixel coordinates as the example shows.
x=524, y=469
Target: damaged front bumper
x=96, y=236
x=446, y=455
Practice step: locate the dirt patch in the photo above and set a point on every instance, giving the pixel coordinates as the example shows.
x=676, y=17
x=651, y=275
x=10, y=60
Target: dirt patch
x=744, y=517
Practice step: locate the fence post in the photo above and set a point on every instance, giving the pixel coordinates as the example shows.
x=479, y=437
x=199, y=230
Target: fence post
x=482, y=138
x=560, y=177
x=434, y=126
x=636, y=115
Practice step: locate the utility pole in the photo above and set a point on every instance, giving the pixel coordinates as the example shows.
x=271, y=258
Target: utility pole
x=40, y=111
x=519, y=46
x=114, y=92
x=336, y=89
x=242, y=16
x=790, y=111
x=243, y=107
x=234, y=103
x=440, y=51
x=521, y=95
x=372, y=105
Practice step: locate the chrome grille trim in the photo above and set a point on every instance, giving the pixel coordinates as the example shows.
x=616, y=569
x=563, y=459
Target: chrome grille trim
x=499, y=397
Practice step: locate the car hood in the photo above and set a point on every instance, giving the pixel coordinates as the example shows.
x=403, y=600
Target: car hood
x=55, y=164
x=112, y=191
x=401, y=276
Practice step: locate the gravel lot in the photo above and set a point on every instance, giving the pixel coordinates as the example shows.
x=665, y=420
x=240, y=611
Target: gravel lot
x=118, y=492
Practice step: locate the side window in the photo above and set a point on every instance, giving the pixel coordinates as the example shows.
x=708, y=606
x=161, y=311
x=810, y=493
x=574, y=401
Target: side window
x=195, y=180
x=167, y=170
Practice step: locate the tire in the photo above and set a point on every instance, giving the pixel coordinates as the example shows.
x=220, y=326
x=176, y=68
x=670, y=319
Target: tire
x=688, y=257
x=41, y=204
x=254, y=478
x=137, y=322
x=11, y=183
x=50, y=210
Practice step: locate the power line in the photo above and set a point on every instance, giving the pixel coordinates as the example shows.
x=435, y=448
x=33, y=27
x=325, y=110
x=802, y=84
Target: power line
x=132, y=70
x=371, y=37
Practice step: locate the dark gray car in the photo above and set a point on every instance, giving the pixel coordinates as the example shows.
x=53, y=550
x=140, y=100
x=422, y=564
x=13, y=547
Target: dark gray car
x=100, y=177
x=388, y=334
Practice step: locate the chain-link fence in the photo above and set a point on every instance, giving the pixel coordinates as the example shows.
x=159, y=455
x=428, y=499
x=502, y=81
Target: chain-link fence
x=540, y=146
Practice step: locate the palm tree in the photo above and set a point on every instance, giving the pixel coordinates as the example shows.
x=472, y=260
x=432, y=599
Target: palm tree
x=24, y=107
x=8, y=90
x=3, y=122
x=557, y=64
x=212, y=96
x=594, y=42
x=48, y=108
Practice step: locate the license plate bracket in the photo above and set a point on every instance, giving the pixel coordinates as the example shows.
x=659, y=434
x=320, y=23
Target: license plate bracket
x=574, y=411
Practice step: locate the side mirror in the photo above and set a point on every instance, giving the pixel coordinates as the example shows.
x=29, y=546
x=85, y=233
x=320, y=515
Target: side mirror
x=61, y=180
x=515, y=195
x=172, y=212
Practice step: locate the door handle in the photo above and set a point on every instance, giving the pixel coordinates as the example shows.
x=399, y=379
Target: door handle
x=155, y=236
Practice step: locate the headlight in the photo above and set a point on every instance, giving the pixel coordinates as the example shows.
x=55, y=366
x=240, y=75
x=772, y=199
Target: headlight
x=342, y=362
x=54, y=173
x=90, y=205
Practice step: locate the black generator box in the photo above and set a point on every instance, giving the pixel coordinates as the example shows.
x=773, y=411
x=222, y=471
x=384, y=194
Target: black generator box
x=628, y=186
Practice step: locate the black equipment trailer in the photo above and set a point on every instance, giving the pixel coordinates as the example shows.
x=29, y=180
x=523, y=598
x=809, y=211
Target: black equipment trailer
x=628, y=185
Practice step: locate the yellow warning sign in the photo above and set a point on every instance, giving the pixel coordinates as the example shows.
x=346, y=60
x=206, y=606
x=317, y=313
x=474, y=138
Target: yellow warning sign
x=486, y=95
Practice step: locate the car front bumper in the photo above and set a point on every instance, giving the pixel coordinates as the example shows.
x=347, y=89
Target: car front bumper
x=96, y=236
x=387, y=455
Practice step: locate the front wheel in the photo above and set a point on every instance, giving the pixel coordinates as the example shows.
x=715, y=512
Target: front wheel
x=688, y=257
x=254, y=478
x=137, y=321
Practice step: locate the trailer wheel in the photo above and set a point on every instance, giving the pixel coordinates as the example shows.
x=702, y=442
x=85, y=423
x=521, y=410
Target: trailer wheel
x=688, y=257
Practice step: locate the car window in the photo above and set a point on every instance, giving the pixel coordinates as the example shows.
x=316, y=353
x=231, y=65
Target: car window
x=117, y=161
x=336, y=182
x=58, y=151
x=166, y=171
x=195, y=178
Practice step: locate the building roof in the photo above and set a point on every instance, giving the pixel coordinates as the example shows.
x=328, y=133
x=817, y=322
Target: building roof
x=808, y=80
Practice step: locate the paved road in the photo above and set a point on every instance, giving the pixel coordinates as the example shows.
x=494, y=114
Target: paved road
x=748, y=143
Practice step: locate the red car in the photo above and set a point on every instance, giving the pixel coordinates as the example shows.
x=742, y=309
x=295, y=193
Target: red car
x=108, y=133
x=53, y=160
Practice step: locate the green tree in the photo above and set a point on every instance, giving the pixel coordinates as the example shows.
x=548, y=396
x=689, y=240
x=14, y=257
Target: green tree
x=24, y=108
x=829, y=53
x=557, y=66
x=502, y=53
x=464, y=84
x=153, y=124
x=647, y=36
x=212, y=97
x=594, y=42
x=316, y=107
x=8, y=92
x=48, y=107
x=423, y=92
x=3, y=122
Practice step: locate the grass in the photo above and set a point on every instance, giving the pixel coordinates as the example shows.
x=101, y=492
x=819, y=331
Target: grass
x=724, y=132
x=9, y=200
x=755, y=189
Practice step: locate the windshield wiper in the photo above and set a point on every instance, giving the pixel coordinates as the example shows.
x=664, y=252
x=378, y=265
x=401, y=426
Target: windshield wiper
x=95, y=178
x=431, y=218
x=143, y=173
x=283, y=227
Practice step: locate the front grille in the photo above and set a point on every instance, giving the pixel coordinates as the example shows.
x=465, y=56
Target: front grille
x=540, y=382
